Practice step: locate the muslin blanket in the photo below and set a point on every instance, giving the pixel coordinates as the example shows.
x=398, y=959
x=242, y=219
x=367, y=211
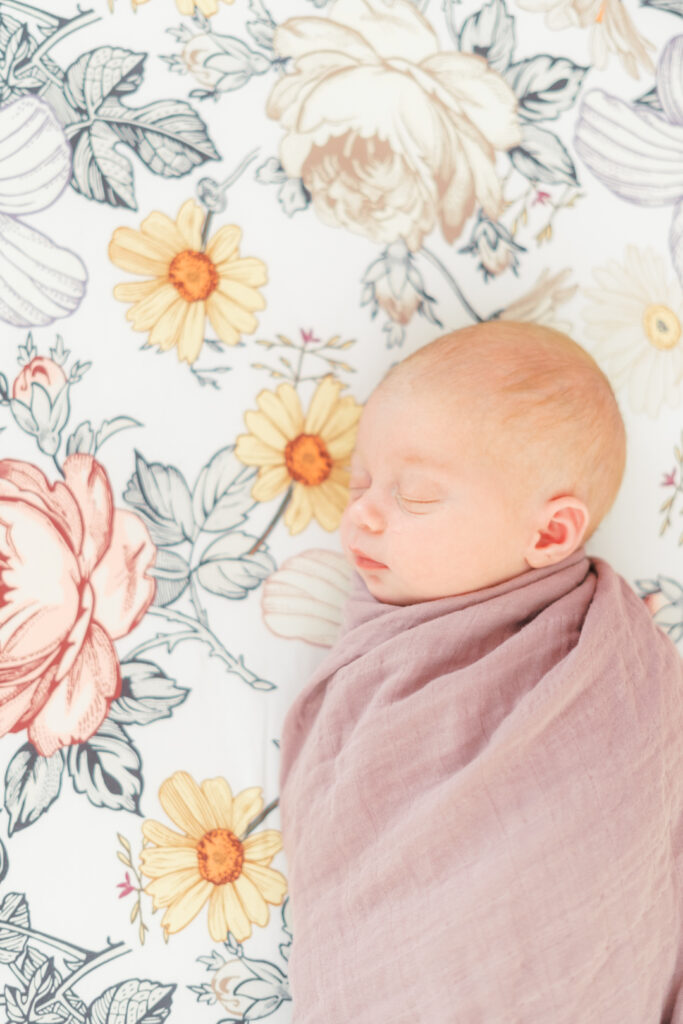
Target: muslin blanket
x=481, y=810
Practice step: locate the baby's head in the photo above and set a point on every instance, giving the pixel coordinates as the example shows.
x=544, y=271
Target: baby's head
x=494, y=449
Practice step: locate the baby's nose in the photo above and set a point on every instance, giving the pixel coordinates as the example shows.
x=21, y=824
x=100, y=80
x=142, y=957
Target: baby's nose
x=366, y=514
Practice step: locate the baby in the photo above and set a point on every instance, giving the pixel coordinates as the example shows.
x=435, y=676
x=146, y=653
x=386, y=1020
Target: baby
x=482, y=785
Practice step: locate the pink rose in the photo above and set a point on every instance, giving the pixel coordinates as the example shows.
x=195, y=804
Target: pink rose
x=72, y=579
x=40, y=370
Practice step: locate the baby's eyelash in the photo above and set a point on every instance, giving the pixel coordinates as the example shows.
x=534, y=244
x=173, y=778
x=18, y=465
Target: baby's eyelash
x=416, y=501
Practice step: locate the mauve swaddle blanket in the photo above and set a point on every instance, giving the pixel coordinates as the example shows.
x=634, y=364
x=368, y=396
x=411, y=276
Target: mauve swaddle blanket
x=481, y=810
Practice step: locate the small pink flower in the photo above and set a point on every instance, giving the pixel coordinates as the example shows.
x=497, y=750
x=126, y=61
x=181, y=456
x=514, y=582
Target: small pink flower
x=541, y=198
x=73, y=578
x=40, y=370
x=125, y=887
x=669, y=479
x=308, y=337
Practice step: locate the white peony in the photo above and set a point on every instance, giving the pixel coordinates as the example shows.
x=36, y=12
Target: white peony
x=389, y=134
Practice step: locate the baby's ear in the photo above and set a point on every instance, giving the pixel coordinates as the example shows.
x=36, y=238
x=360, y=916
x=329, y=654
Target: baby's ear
x=563, y=524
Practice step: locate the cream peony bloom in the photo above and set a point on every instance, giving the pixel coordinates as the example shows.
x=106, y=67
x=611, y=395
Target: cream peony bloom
x=389, y=134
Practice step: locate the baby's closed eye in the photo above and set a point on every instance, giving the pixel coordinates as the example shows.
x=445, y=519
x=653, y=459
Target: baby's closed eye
x=417, y=506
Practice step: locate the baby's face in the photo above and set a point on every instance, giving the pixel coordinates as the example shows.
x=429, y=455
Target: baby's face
x=430, y=513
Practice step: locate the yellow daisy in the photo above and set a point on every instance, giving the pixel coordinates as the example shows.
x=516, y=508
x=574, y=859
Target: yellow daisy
x=210, y=861
x=312, y=453
x=188, y=283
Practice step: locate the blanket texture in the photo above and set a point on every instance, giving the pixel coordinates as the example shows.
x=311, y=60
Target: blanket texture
x=481, y=805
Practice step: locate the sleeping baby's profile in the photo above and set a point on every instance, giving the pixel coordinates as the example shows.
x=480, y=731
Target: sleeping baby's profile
x=482, y=784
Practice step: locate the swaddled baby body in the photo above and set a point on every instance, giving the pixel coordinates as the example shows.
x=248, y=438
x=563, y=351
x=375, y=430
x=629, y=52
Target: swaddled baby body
x=482, y=784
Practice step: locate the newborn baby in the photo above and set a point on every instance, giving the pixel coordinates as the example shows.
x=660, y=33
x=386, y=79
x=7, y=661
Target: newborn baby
x=482, y=785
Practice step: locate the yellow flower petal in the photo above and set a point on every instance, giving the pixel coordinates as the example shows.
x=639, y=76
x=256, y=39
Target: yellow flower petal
x=270, y=482
x=262, y=846
x=218, y=921
x=271, y=884
x=192, y=336
x=246, y=806
x=217, y=791
x=163, y=860
x=299, y=512
x=342, y=420
x=216, y=309
x=283, y=412
x=168, y=329
x=145, y=313
x=242, y=295
x=326, y=509
x=160, y=834
x=190, y=222
x=186, y=805
x=251, y=899
x=253, y=452
x=134, y=291
x=184, y=910
x=160, y=230
x=233, y=313
x=249, y=270
x=342, y=446
x=322, y=405
x=167, y=888
x=224, y=244
x=262, y=427
x=238, y=922
x=134, y=252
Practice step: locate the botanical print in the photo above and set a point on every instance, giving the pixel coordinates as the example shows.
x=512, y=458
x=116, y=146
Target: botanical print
x=634, y=148
x=612, y=30
x=40, y=281
x=379, y=172
x=306, y=456
x=215, y=859
x=634, y=321
x=192, y=278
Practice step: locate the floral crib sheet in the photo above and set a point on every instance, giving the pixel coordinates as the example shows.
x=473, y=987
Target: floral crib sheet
x=220, y=223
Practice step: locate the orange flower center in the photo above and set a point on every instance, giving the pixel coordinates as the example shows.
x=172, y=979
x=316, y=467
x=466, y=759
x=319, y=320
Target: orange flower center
x=220, y=856
x=308, y=460
x=193, y=274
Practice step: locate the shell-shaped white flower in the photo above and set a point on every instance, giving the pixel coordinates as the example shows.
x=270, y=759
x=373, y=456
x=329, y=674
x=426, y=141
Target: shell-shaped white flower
x=304, y=599
x=635, y=320
x=35, y=158
x=39, y=281
x=419, y=148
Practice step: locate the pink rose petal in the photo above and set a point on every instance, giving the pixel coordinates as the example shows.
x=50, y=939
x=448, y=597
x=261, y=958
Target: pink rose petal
x=122, y=592
x=87, y=481
x=79, y=704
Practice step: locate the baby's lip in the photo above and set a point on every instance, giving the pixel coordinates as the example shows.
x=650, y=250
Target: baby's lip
x=363, y=561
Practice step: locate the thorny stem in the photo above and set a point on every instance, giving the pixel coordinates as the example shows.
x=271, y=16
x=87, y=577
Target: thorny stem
x=271, y=524
x=18, y=5
x=257, y=820
x=434, y=259
x=203, y=633
x=90, y=965
x=66, y=947
x=65, y=29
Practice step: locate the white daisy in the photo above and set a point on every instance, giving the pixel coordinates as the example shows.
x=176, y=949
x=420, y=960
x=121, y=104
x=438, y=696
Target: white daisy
x=635, y=320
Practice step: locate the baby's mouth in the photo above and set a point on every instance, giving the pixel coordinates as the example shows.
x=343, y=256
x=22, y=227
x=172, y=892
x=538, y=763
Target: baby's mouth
x=363, y=562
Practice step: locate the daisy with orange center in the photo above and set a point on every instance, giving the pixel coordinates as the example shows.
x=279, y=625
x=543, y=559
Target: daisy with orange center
x=211, y=860
x=308, y=453
x=188, y=282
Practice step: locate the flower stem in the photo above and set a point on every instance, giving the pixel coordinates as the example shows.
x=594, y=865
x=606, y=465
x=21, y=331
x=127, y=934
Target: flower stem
x=194, y=630
x=66, y=947
x=257, y=821
x=434, y=259
x=96, y=960
x=271, y=524
x=224, y=186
